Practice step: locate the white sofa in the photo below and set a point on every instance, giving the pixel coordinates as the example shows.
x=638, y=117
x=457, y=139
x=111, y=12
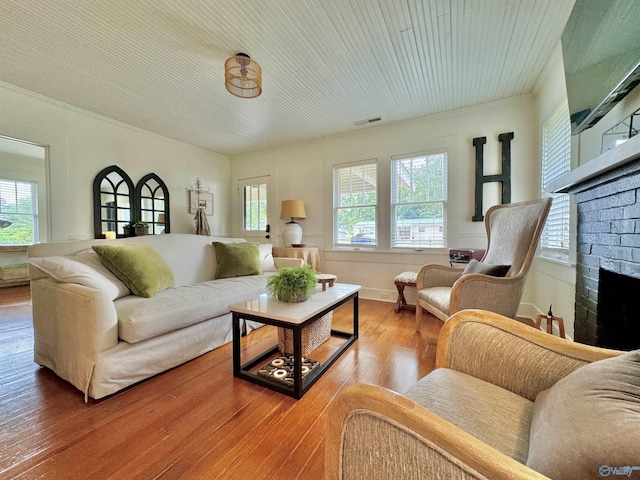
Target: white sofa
x=91, y=331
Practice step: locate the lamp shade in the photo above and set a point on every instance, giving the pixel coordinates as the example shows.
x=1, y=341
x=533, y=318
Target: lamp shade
x=292, y=209
x=243, y=76
x=160, y=218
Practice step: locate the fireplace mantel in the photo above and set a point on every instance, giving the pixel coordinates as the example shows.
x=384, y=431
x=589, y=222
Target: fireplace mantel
x=614, y=158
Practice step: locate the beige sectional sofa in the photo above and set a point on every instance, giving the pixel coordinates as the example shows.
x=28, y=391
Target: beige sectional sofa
x=91, y=331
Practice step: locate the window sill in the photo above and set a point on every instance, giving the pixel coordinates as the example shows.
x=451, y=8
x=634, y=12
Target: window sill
x=14, y=248
x=386, y=251
x=557, y=259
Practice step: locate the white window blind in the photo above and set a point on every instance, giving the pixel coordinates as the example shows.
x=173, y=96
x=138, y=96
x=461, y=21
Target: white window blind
x=556, y=160
x=355, y=197
x=418, y=201
x=18, y=212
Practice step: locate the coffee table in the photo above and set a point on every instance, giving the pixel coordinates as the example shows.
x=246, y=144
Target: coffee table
x=294, y=316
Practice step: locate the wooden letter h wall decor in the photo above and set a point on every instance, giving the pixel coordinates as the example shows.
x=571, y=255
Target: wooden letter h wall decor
x=504, y=178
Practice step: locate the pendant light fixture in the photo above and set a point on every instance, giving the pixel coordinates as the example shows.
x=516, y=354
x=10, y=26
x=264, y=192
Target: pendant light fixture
x=243, y=76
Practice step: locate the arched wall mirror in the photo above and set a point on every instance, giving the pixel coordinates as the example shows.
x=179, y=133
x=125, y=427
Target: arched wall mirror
x=113, y=198
x=153, y=199
x=117, y=204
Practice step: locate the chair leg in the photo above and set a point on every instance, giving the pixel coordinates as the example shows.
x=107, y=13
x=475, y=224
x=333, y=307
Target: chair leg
x=418, y=317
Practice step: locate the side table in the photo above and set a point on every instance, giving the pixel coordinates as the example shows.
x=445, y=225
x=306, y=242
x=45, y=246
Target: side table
x=310, y=255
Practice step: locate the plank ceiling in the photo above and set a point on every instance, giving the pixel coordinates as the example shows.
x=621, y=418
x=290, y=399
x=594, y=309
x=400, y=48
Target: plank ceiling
x=159, y=64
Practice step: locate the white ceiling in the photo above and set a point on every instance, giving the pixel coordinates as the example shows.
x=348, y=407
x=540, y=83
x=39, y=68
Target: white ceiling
x=159, y=64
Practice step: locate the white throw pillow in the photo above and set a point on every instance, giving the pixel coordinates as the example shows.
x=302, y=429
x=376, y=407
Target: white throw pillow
x=266, y=258
x=84, y=268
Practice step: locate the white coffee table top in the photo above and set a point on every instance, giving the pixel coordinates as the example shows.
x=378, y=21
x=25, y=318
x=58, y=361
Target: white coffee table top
x=270, y=307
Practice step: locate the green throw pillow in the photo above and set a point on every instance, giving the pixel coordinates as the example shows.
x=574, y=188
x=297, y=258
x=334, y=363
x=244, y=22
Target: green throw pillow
x=139, y=267
x=237, y=259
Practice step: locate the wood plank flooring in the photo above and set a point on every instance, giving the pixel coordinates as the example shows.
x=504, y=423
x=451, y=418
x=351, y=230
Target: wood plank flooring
x=196, y=420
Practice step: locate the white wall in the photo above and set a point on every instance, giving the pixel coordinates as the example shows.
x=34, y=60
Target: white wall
x=303, y=172
x=81, y=144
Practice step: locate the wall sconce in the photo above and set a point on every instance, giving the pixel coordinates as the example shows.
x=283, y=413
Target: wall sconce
x=292, y=232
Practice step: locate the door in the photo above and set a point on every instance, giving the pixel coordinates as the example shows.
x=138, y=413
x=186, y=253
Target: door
x=255, y=202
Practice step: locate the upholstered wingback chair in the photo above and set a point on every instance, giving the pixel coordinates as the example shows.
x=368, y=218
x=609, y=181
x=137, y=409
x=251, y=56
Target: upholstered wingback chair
x=513, y=232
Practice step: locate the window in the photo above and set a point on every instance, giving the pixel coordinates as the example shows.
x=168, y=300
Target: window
x=18, y=212
x=418, y=196
x=255, y=207
x=556, y=160
x=355, y=198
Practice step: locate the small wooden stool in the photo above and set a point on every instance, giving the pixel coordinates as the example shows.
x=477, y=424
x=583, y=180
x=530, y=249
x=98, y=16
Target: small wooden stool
x=325, y=278
x=549, y=322
x=405, y=279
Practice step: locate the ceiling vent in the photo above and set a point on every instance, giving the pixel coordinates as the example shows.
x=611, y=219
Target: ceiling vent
x=364, y=122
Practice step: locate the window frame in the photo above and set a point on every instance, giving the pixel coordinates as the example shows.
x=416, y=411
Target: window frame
x=395, y=201
x=35, y=210
x=243, y=184
x=337, y=208
x=555, y=240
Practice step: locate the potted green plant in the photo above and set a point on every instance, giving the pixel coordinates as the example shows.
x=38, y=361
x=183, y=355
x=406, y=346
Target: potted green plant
x=140, y=228
x=292, y=284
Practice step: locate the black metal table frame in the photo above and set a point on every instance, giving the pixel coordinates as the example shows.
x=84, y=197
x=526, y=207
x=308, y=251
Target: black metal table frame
x=300, y=385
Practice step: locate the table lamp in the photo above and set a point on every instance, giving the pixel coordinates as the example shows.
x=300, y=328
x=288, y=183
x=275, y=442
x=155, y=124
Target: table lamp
x=292, y=210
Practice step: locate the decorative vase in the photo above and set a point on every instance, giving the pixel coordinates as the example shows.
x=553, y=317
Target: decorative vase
x=292, y=234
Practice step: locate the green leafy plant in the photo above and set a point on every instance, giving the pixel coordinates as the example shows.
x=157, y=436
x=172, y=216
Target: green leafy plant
x=140, y=225
x=292, y=284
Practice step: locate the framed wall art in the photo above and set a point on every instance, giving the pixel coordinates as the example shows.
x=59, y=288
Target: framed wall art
x=202, y=200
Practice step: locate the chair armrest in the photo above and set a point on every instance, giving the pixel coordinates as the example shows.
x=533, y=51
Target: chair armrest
x=434, y=275
x=282, y=262
x=485, y=292
x=373, y=432
x=510, y=354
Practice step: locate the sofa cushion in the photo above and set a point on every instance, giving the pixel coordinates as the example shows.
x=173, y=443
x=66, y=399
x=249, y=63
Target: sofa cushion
x=237, y=259
x=84, y=269
x=588, y=421
x=176, y=308
x=267, y=264
x=490, y=413
x=474, y=266
x=138, y=266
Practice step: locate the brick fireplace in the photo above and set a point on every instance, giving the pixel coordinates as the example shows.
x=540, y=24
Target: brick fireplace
x=607, y=194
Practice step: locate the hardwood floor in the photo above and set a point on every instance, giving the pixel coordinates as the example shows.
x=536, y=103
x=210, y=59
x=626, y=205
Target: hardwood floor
x=196, y=420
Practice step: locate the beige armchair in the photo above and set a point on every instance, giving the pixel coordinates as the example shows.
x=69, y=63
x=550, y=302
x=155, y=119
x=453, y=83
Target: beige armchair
x=513, y=231
x=478, y=414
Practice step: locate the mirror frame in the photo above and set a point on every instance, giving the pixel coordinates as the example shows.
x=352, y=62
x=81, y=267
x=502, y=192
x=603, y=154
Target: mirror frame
x=142, y=183
x=97, y=199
